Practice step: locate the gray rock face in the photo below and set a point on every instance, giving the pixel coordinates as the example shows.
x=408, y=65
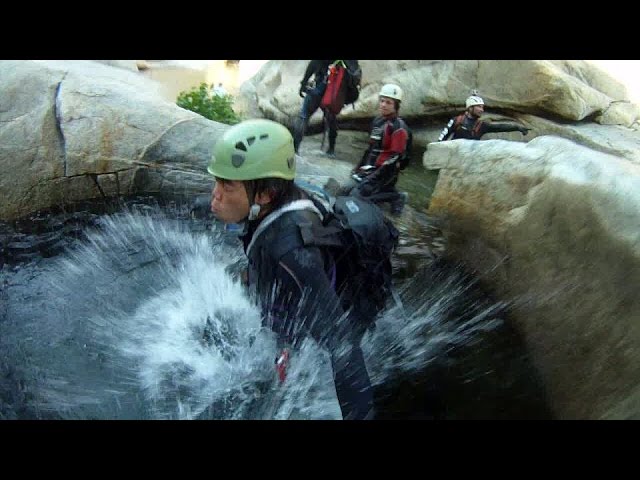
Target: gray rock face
x=562, y=224
x=570, y=91
x=73, y=130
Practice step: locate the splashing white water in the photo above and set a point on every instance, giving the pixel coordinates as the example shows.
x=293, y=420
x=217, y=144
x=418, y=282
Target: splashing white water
x=409, y=338
x=175, y=328
x=161, y=330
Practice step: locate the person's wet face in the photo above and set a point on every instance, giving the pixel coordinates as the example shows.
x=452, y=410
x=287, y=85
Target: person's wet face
x=387, y=106
x=477, y=110
x=229, y=201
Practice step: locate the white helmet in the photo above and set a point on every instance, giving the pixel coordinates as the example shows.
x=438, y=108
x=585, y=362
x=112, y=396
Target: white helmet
x=474, y=100
x=392, y=91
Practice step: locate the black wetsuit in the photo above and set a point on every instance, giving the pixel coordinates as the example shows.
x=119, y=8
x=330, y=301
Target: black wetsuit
x=472, y=128
x=296, y=284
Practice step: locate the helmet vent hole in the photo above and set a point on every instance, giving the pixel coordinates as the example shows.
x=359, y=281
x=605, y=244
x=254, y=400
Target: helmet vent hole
x=250, y=140
x=241, y=146
x=237, y=160
x=264, y=136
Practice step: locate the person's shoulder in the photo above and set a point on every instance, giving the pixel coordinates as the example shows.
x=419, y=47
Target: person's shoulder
x=403, y=123
x=399, y=123
x=462, y=118
x=280, y=236
x=289, y=222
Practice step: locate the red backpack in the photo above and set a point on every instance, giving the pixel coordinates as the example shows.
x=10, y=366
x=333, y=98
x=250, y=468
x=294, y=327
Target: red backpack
x=335, y=93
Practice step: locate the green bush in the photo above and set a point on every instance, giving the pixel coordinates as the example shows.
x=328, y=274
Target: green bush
x=202, y=100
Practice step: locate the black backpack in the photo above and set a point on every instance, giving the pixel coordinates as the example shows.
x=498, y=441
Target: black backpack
x=362, y=253
x=352, y=79
x=364, y=264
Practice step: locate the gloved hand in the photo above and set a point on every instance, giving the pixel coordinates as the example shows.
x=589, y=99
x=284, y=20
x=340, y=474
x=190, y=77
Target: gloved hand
x=524, y=130
x=303, y=90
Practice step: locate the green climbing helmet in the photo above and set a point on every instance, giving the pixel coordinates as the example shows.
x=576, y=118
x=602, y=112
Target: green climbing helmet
x=254, y=149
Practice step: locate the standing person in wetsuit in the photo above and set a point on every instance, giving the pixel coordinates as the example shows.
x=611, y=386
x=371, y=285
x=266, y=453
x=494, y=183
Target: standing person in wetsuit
x=254, y=168
x=312, y=95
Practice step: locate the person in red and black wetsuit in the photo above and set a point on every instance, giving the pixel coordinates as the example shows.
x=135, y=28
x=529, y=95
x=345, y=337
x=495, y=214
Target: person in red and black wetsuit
x=388, y=139
x=469, y=126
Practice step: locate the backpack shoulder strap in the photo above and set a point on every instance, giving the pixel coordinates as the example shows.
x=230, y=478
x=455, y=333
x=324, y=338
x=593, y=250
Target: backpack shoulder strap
x=273, y=216
x=477, y=126
x=324, y=231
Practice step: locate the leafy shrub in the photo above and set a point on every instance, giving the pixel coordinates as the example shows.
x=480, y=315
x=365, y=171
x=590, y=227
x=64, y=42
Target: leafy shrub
x=203, y=101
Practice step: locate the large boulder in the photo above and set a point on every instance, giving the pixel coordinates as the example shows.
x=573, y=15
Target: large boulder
x=570, y=91
x=555, y=226
x=73, y=130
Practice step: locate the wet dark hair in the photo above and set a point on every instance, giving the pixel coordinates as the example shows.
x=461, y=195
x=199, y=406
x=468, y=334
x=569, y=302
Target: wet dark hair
x=282, y=191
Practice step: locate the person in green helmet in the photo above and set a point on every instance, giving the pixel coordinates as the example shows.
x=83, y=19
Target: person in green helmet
x=254, y=168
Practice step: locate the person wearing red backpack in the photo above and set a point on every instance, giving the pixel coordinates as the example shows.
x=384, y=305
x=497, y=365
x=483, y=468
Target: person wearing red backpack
x=468, y=124
x=327, y=93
